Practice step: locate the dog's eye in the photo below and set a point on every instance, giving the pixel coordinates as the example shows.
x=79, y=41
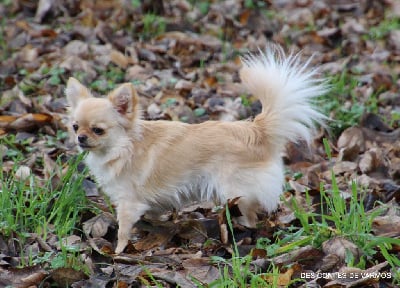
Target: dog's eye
x=98, y=131
x=75, y=127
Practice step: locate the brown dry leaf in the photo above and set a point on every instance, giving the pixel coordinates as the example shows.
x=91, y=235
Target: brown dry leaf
x=91, y=190
x=222, y=220
x=99, y=225
x=352, y=26
x=330, y=262
x=127, y=273
x=303, y=255
x=284, y=279
x=119, y=59
x=394, y=39
x=154, y=111
x=200, y=269
x=340, y=246
x=192, y=229
x=72, y=241
x=50, y=170
x=223, y=230
x=50, y=33
x=350, y=143
x=375, y=122
x=386, y=226
x=287, y=215
x=169, y=97
x=137, y=72
x=23, y=25
x=299, y=153
x=244, y=17
x=383, y=80
x=21, y=277
x=184, y=85
x=153, y=240
x=210, y=81
x=6, y=120
x=30, y=121
x=105, y=246
x=373, y=160
x=173, y=277
x=74, y=64
x=66, y=276
x=258, y=253
x=343, y=167
x=76, y=48
x=3, y=150
x=21, y=96
x=23, y=172
x=355, y=277
x=297, y=187
x=122, y=284
x=28, y=54
x=373, y=137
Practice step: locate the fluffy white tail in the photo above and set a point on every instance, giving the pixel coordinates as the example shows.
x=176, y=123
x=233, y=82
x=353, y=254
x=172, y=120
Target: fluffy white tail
x=286, y=88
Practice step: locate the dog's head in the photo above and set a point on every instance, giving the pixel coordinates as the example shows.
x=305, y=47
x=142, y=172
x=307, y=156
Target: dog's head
x=100, y=123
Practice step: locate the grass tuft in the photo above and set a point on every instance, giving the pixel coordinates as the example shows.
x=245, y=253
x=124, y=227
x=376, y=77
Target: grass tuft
x=33, y=206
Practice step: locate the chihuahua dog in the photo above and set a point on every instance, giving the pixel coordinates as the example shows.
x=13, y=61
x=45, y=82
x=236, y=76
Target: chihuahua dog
x=144, y=164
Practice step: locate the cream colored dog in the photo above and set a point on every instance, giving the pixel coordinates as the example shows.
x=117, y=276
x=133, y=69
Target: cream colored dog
x=143, y=164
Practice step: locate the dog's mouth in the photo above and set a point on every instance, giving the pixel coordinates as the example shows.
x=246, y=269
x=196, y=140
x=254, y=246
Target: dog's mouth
x=85, y=146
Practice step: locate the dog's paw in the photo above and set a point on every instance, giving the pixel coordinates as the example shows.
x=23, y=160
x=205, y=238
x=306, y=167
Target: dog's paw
x=121, y=246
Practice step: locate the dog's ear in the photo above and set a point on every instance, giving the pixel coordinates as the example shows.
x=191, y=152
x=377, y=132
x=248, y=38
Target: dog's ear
x=75, y=92
x=125, y=100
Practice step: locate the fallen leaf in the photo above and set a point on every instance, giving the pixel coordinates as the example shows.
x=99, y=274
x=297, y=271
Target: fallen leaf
x=340, y=246
x=172, y=277
x=386, y=226
x=350, y=143
x=282, y=279
x=23, y=172
x=119, y=59
x=22, y=277
x=5, y=120
x=306, y=255
x=201, y=270
x=344, y=166
x=153, y=240
x=66, y=276
x=99, y=225
x=29, y=121
x=76, y=48
x=354, y=277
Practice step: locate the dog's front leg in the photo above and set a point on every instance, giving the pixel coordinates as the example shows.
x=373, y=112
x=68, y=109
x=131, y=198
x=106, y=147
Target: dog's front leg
x=128, y=214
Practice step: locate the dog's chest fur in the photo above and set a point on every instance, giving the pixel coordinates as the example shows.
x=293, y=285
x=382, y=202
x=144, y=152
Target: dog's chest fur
x=109, y=175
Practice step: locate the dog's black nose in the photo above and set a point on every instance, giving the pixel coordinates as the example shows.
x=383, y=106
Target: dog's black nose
x=82, y=138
